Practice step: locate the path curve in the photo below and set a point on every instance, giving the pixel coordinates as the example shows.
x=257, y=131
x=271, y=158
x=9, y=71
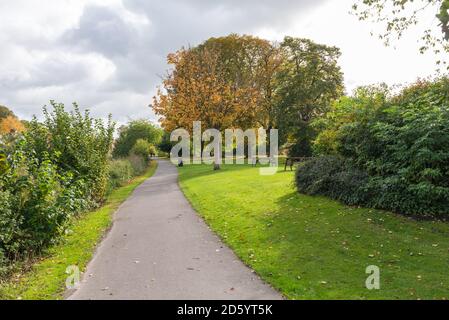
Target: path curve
x=159, y=248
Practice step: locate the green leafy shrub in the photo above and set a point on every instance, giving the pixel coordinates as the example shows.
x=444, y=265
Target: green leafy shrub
x=403, y=145
x=334, y=177
x=76, y=143
x=3, y=163
x=36, y=202
x=8, y=221
x=165, y=145
x=153, y=150
x=360, y=108
x=56, y=169
x=135, y=130
x=141, y=148
x=120, y=172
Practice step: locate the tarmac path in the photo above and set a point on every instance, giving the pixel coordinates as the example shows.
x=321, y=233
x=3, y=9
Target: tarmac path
x=159, y=248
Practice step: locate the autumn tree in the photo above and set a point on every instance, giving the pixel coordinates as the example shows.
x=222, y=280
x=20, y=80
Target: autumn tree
x=398, y=16
x=246, y=82
x=250, y=62
x=197, y=90
x=11, y=124
x=5, y=112
x=225, y=82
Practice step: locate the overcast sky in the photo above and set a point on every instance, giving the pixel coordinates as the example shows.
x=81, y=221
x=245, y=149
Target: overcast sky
x=108, y=55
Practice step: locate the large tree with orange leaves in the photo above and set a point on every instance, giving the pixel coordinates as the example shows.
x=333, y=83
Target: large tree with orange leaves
x=11, y=124
x=225, y=82
x=250, y=62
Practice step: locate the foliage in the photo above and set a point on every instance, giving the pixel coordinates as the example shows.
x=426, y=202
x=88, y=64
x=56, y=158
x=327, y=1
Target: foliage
x=46, y=279
x=309, y=80
x=36, y=202
x=122, y=170
x=359, y=108
x=165, y=145
x=5, y=112
x=334, y=177
x=11, y=124
x=249, y=64
x=199, y=90
x=3, y=162
x=76, y=143
x=153, y=150
x=138, y=164
x=142, y=149
x=246, y=82
x=133, y=131
x=443, y=16
x=398, y=16
x=53, y=171
x=403, y=145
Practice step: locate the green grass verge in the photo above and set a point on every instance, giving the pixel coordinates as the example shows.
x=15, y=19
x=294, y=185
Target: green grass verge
x=46, y=279
x=316, y=248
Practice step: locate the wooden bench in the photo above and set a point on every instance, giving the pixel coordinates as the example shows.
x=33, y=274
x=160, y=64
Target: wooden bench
x=292, y=160
x=256, y=160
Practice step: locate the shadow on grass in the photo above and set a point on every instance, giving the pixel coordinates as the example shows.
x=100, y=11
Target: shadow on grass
x=321, y=249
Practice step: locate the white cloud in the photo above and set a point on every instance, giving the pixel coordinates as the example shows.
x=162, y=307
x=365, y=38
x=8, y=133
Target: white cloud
x=108, y=54
x=365, y=60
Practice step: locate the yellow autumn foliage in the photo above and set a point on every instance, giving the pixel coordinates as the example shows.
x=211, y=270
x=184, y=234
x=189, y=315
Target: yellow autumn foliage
x=225, y=83
x=11, y=124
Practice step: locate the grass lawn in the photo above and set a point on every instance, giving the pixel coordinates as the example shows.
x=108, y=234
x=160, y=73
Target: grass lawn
x=316, y=248
x=46, y=279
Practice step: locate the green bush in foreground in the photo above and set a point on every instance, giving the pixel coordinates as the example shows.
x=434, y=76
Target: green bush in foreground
x=76, y=143
x=57, y=169
x=46, y=279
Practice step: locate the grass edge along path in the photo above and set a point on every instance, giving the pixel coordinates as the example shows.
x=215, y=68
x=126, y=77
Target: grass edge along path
x=314, y=247
x=46, y=279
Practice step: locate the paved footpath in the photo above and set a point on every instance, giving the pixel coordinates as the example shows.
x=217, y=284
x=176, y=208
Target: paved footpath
x=159, y=248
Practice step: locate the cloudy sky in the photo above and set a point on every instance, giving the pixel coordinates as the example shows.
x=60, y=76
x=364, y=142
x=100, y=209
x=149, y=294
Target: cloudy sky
x=109, y=55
